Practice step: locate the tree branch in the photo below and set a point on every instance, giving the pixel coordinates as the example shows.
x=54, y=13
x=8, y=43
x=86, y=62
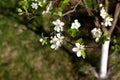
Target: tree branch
x=118, y=28
x=116, y=14
x=107, y=5
x=73, y=10
x=87, y=8
x=97, y=24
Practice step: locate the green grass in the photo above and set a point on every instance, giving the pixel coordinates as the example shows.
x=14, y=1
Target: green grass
x=23, y=58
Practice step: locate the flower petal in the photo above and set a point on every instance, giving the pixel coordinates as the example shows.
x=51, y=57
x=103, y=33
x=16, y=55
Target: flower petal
x=78, y=54
x=53, y=46
x=74, y=49
x=41, y=39
x=77, y=45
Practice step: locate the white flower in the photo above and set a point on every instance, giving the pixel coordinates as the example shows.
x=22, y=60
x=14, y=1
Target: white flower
x=103, y=13
x=96, y=32
x=58, y=25
x=56, y=41
x=100, y=5
x=79, y=47
x=75, y=24
x=108, y=21
x=48, y=8
x=34, y=5
x=41, y=40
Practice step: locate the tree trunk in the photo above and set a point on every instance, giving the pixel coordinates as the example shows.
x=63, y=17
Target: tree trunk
x=104, y=59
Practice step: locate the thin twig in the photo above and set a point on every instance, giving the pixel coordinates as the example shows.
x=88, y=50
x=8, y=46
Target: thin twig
x=96, y=22
x=87, y=8
x=73, y=10
x=117, y=12
x=107, y=5
x=91, y=47
x=67, y=39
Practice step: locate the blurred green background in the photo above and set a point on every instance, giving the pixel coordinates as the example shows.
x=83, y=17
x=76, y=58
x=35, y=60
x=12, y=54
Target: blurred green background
x=22, y=57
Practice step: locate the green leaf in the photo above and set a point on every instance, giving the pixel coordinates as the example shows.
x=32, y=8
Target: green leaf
x=83, y=54
x=73, y=32
x=45, y=39
x=20, y=13
x=24, y=5
x=103, y=38
x=19, y=10
x=80, y=40
x=60, y=13
x=89, y=3
x=61, y=6
x=64, y=3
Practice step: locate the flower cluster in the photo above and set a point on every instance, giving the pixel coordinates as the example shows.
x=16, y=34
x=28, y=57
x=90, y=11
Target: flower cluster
x=78, y=49
x=105, y=16
x=57, y=39
x=107, y=21
x=75, y=24
x=97, y=33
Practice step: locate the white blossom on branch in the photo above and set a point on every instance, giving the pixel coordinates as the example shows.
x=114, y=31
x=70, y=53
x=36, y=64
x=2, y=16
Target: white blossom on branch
x=97, y=33
x=56, y=41
x=100, y=5
x=58, y=25
x=34, y=5
x=75, y=24
x=78, y=49
x=48, y=8
x=103, y=13
x=108, y=21
x=41, y=39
